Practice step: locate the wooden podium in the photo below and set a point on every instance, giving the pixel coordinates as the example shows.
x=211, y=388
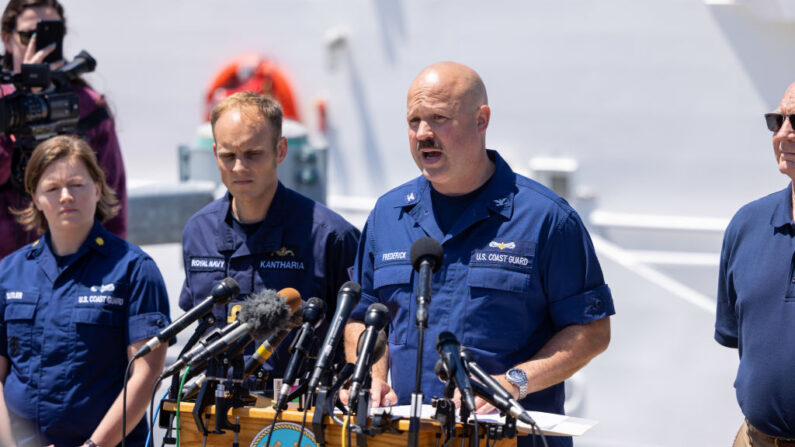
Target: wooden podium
x=255, y=423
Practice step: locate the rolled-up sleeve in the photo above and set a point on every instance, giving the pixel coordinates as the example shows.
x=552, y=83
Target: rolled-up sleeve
x=148, y=308
x=573, y=280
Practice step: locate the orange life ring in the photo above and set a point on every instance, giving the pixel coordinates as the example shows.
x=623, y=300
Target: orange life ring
x=251, y=72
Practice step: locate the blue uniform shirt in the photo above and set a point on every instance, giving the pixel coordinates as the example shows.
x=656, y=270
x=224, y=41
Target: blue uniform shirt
x=300, y=244
x=756, y=310
x=66, y=330
x=518, y=267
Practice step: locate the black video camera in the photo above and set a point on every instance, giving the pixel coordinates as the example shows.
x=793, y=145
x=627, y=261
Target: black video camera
x=44, y=104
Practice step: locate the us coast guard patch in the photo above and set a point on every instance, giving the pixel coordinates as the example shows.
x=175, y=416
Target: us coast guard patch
x=285, y=434
x=513, y=255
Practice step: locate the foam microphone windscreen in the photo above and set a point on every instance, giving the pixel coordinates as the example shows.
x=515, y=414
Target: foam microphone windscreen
x=265, y=313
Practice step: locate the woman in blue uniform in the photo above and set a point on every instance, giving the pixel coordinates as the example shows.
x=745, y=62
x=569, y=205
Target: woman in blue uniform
x=75, y=305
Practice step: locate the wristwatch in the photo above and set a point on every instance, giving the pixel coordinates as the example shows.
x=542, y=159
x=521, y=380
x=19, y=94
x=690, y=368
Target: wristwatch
x=518, y=377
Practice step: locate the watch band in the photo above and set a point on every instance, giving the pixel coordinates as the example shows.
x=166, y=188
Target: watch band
x=522, y=391
x=520, y=383
x=90, y=443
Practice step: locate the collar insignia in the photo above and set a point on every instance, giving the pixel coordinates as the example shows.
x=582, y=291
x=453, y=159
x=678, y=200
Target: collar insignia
x=409, y=197
x=501, y=202
x=502, y=245
x=99, y=241
x=282, y=252
x=36, y=243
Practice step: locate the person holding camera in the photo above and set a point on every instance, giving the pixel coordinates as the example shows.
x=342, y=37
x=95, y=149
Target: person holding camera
x=20, y=23
x=75, y=306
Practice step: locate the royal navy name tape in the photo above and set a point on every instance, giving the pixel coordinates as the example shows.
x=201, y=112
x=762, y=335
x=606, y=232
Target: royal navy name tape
x=207, y=263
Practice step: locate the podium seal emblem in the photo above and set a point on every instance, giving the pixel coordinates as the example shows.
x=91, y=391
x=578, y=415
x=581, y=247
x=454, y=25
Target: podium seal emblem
x=285, y=434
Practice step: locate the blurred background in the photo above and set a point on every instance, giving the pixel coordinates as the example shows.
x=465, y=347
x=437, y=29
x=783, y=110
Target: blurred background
x=646, y=115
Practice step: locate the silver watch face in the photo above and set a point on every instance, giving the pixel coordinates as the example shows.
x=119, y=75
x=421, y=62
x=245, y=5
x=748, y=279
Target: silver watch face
x=517, y=376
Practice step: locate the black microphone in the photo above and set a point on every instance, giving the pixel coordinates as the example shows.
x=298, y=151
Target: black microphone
x=314, y=313
x=485, y=393
x=505, y=401
x=375, y=320
x=347, y=298
x=380, y=345
x=426, y=257
x=448, y=348
x=222, y=293
x=262, y=314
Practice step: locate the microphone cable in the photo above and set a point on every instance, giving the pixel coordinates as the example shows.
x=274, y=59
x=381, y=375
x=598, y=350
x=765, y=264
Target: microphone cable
x=151, y=409
x=537, y=432
x=179, y=398
x=475, y=422
x=346, y=431
x=154, y=417
x=477, y=432
x=303, y=424
x=273, y=425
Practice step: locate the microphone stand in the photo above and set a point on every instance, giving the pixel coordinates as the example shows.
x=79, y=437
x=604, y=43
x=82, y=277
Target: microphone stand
x=422, y=324
x=209, y=388
x=445, y=413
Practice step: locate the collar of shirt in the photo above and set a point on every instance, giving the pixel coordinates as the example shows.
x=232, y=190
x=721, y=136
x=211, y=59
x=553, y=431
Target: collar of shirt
x=266, y=239
x=497, y=198
x=98, y=240
x=782, y=215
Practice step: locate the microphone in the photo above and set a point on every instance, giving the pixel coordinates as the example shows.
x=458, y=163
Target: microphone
x=448, y=348
x=347, y=298
x=375, y=320
x=262, y=314
x=496, y=399
x=380, y=345
x=266, y=349
x=221, y=293
x=502, y=399
x=313, y=314
x=426, y=257
x=293, y=299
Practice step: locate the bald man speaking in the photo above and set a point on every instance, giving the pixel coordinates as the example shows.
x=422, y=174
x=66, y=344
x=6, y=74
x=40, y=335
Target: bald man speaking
x=520, y=285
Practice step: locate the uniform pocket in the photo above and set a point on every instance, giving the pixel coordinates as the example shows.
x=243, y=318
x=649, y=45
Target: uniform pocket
x=19, y=321
x=499, y=308
x=98, y=329
x=392, y=284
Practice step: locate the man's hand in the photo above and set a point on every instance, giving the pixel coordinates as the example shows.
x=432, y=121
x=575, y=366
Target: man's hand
x=381, y=394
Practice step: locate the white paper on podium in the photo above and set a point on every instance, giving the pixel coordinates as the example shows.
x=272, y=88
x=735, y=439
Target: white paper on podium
x=550, y=424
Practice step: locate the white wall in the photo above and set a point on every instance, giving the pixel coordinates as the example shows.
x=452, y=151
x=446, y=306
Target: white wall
x=660, y=101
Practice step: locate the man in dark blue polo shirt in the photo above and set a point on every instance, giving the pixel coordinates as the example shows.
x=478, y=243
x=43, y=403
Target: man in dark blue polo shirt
x=520, y=284
x=261, y=233
x=756, y=298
